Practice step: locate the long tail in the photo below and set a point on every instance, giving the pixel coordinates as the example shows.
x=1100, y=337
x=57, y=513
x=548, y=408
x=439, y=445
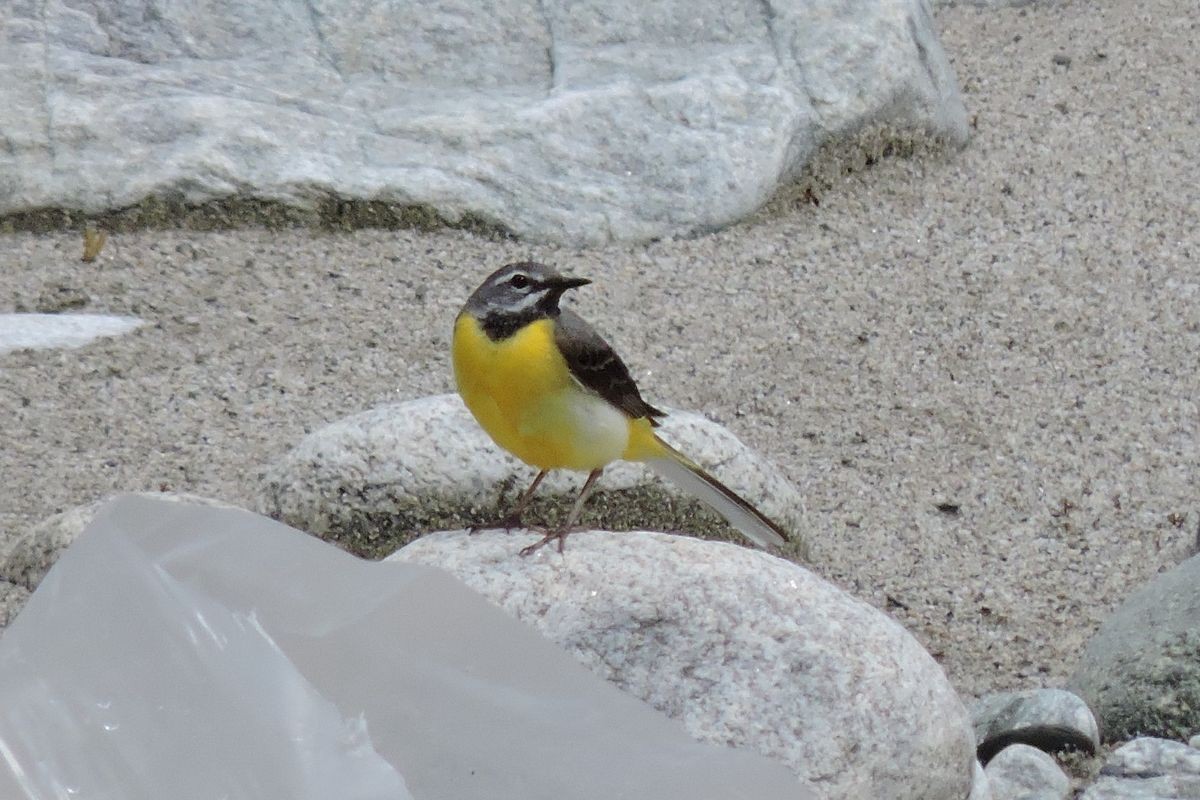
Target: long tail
x=689, y=476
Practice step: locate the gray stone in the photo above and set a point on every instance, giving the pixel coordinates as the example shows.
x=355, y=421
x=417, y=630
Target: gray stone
x=1149, y=755
x=1140, y=673
x=1164, y=787
x=744, y=648
x=1148, y=768
x=30, y=557
x=375, y=480
x=42, y=331
x=1049, y=719
x=1021, y=772
x=580, y=122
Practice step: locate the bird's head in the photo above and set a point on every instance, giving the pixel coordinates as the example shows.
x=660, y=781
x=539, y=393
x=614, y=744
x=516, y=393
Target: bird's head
x=525, y=289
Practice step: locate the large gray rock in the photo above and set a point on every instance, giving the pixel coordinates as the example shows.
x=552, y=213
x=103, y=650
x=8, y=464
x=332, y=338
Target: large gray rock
x=570, y=121
x=375, y=480
x=1140, y=673
x=744, y=648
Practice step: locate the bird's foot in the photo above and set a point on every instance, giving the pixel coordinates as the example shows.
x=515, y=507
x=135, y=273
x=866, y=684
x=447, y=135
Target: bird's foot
x=557, y=534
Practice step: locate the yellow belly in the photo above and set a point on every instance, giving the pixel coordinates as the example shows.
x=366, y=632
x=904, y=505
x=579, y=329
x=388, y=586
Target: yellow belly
x=522, y=393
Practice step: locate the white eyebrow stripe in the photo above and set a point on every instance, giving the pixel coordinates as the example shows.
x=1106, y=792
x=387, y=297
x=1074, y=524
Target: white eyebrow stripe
x=528, y=300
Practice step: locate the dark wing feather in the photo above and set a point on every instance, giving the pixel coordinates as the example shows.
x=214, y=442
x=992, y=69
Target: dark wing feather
x=598, y=367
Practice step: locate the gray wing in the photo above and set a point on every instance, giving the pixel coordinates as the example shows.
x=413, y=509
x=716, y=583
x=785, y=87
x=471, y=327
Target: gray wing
x=598, y=367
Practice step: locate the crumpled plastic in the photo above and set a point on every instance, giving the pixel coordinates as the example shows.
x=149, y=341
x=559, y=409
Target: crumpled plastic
x=188, y=651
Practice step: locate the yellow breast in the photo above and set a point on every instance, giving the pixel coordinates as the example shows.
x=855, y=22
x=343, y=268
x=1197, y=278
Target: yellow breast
x=522, y=393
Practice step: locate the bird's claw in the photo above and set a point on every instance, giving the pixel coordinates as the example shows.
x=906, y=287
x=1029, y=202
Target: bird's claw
x=549, y=536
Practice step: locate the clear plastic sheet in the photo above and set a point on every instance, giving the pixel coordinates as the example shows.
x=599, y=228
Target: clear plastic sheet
x=194, y=652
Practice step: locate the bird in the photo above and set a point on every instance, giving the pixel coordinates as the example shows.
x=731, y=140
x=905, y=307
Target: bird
x=546, y=387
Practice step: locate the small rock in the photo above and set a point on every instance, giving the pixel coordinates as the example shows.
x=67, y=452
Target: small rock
x=59, y=297
x=742, y=647
x=374, y=481
x=1148, y=755
x=1140, y=673
x=1148, y=768
x=1048, y=719
x=45, y=331
x=1021, y=772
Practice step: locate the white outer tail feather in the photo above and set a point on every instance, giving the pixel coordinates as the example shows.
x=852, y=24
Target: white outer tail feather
x=680, y=471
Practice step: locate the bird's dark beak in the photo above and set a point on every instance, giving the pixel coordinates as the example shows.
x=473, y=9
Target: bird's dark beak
x=563, y=282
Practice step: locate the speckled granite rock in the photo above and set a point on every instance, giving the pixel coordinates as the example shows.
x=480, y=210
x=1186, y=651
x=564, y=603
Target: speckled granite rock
x=743, y=647
x=1021, y=772
x=1148, y=768
x=12, y=599
x=1048, y=719
x=374, y=480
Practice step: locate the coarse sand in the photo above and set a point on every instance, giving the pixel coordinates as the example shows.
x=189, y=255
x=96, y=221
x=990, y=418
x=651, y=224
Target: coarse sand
x=980, y=367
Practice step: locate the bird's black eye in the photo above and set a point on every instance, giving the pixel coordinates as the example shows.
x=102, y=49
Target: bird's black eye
x=519, y=281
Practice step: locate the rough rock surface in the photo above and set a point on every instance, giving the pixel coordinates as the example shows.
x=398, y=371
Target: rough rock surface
x=1022, y=772
x=1140, y=673
x=1048, y=719
x=1148, y=768
x=12, y=600
x=374, y=480
x=742, y=647
x=577, y=122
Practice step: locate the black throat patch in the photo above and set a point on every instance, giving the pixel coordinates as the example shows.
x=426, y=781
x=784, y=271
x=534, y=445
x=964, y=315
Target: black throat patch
x=501, y=326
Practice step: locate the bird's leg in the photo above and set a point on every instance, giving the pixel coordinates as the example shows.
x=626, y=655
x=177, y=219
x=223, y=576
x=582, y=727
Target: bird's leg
x=560, y=533
x=513, y=518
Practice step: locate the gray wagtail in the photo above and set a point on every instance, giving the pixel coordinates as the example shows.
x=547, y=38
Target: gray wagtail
x=548, y=389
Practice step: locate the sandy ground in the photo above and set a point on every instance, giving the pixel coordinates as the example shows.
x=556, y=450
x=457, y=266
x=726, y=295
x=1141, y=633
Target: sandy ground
x=980, y=368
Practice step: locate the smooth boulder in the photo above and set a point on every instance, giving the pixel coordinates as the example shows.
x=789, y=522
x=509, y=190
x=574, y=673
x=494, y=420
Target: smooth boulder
x=1021, y=772
x=577, y=122
x=1140, y=673
x=744, y=648
x=377, y=479
x=1048, y=719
